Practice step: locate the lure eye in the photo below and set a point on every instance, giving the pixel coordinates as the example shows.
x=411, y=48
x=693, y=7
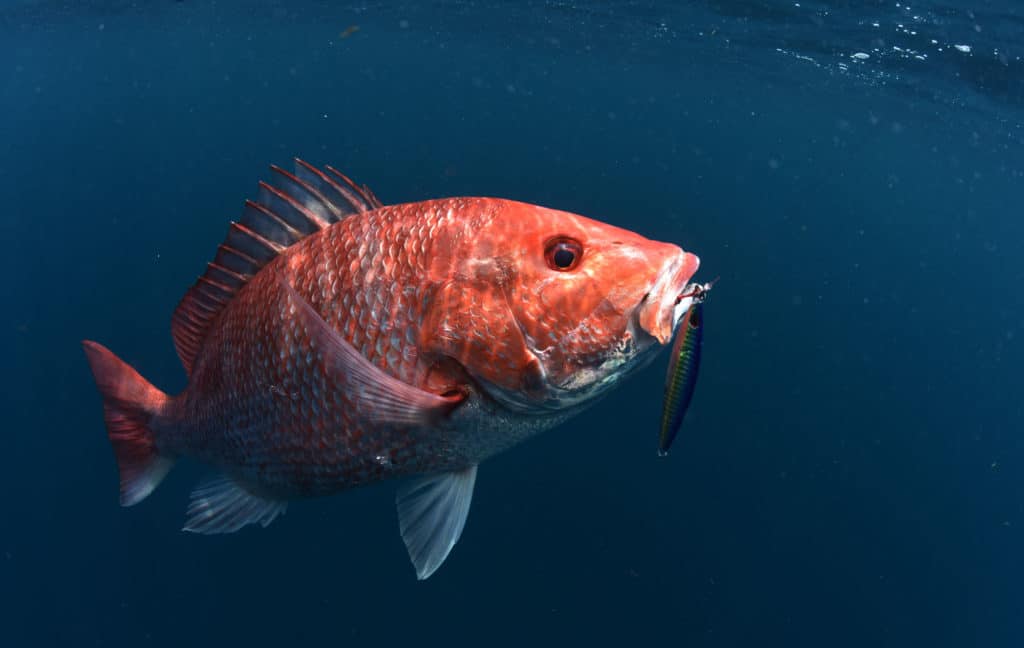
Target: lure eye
x=563, y=254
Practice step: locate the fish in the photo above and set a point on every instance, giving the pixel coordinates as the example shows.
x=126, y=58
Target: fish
x=336, y=342
x=683, y=367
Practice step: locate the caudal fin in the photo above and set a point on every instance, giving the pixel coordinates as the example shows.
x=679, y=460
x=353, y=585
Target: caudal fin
x=129, y=405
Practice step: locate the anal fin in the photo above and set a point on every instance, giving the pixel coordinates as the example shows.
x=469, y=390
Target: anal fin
x=431, y=515
x=222, y=505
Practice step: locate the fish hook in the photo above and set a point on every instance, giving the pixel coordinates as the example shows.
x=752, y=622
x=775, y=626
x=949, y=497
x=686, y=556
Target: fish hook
x=699, y=291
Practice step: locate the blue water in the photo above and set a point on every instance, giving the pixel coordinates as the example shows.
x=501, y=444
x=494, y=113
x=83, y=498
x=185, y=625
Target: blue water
x=851, y=472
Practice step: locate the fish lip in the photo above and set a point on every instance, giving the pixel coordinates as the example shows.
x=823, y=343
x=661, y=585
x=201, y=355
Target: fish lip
x=658, y=313
x=654, y=318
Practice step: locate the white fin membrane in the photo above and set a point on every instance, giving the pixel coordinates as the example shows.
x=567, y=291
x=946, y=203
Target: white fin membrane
x=221, y=505
x=431, y=515
x=137, y=486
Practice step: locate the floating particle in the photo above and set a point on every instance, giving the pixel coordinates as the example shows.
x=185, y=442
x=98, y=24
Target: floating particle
x=966, y=49
x=860, y=56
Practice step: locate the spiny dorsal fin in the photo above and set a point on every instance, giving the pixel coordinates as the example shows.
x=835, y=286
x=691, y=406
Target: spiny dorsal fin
x=302, y=203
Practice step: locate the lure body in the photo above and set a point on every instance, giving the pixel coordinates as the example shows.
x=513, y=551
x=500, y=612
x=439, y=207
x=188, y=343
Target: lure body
x=681, y=378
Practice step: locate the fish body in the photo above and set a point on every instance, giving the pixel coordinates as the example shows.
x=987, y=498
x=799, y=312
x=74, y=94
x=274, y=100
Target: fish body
x=681, y=378
x=336, y=342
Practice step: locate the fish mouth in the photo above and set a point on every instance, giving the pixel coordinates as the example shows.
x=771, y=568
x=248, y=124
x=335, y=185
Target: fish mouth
x=654, y=318
x=661, y=309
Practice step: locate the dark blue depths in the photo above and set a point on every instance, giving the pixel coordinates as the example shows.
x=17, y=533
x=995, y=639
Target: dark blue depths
x=851, y=472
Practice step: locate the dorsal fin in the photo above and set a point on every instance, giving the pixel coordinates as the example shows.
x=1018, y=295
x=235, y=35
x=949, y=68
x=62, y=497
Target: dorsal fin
x=299, y=205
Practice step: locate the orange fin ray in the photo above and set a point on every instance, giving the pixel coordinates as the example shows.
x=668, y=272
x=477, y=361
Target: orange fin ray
x=301, y=204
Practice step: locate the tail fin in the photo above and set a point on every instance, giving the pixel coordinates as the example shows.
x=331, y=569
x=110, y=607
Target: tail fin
x=129, y=404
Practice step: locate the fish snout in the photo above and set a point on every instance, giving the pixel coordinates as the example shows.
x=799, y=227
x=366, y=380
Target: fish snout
x=660, y=309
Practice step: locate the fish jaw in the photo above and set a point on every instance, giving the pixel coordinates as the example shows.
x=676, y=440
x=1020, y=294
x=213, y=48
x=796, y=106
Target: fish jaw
x=661, y=310
x=540, y=339
x=651, y=324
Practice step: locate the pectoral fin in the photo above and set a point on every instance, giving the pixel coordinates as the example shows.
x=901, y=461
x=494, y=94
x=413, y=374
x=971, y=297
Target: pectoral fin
x=388, y=399
x=431, y=515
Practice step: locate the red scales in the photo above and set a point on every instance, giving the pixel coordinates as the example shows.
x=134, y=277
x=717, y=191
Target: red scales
x=335, y=341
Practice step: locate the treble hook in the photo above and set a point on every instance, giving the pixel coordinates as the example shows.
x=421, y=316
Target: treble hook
x=699, y=291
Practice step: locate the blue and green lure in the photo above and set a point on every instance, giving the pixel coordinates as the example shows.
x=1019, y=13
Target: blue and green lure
x=683, y=366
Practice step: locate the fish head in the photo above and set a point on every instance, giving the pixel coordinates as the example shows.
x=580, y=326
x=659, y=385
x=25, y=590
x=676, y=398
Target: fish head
x=552, y=309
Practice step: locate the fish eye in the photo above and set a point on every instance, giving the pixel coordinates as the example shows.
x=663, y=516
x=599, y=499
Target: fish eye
x=563, y=254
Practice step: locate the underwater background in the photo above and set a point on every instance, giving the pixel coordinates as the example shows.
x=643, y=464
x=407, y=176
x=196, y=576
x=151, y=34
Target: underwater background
x=851, y=471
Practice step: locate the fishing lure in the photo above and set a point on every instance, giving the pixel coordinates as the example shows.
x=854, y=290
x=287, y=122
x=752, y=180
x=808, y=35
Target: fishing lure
x=683, y=366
